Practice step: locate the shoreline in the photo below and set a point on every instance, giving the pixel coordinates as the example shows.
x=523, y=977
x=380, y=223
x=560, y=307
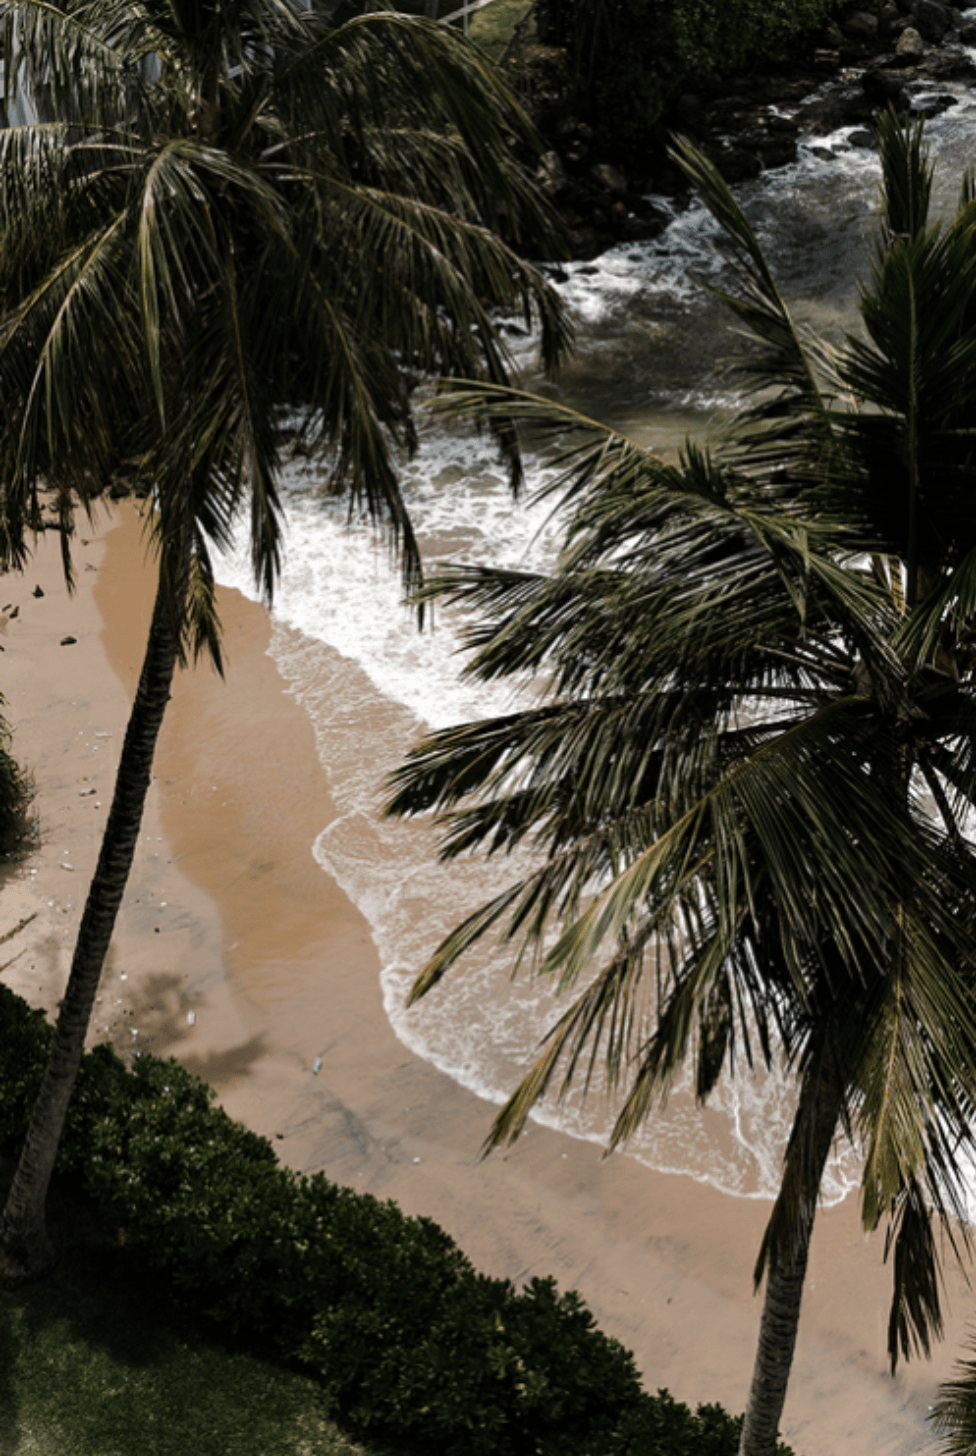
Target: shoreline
x=228, y=916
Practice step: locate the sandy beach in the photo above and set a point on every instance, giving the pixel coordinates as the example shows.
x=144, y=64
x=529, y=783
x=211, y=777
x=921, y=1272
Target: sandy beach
x=237, y=954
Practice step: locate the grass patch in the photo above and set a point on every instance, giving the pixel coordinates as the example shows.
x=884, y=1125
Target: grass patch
x=95, y=1361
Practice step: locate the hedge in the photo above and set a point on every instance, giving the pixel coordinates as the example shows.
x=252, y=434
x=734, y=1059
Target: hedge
x=407, y=1339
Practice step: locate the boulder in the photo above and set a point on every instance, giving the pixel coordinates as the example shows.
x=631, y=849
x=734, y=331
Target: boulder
x=863, y=140
x=862, y=25
x=889, y=16
x=968, y=33
x=640, y=229
x=737, y=165
x=551, y=174
x=933, y=20
x=910, y=44
x=608, y=177
x=829, y=112
x=929, y=106
x=947, y=66
x=885, y=88
x=690, y=111
x=777, y=150
x=832, y=36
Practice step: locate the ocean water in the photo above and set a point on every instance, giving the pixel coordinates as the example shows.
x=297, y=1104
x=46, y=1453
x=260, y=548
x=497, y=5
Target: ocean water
x=651, y=361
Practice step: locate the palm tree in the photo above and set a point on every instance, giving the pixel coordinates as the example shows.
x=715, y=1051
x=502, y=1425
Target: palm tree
x=748, y=768
x=238, y=228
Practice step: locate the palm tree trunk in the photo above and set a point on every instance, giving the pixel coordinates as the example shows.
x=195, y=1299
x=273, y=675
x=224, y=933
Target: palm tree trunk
x=781, y=1306
x=25, y=1249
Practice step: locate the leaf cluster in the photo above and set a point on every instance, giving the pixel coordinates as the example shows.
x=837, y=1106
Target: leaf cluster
x=747, y=773
x=223, y=224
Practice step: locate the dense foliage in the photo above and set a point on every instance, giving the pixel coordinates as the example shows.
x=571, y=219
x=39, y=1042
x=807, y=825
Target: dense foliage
x=627, y=60
x=407, y=1338
x=15, y=796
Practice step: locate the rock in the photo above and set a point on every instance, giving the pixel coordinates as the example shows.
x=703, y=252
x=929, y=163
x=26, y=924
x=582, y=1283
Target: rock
x=885, y=88
x=14, y=612
x=68, y=641
x=590, y=242
x=889, y=17
x=933, y=20
x=832, y=35
x=778, y=150
x=947, y=66
x=610, y=178
x=968, y=33
x=862, y=25
x=910, y=44
x=824, y=153
x=689, y=111
x=551, y=173
x=38, y=591
x=824, y=114
x=737, y=165
x=863, y=140
x=640, y=229
x=929, y=106
x=554, y=274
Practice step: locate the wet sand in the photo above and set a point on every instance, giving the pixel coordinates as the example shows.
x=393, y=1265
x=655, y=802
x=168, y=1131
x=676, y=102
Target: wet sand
x=236, y=953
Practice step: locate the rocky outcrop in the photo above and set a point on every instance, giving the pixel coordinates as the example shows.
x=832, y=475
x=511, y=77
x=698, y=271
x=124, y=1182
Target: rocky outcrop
x=746, y=124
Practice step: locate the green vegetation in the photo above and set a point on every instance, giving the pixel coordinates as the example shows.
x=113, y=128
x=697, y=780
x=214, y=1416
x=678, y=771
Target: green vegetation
x=97, y=1362
x=406, y=1341
x=491, y=28
x=749, y=770
x=16, y=793
x=626, y=61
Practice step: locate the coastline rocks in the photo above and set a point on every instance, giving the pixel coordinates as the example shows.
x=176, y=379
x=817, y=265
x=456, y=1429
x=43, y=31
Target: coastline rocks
x=862, y=25
x=934, y=105
x=825, y=114
x=890, y=20
x=947, y=66
x=738, y=121
x=885, y=88
x=734, y=163
x=910, y=44
x=933, y=20
x=551, y=174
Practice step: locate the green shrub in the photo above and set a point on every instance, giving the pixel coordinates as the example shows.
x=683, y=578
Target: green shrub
x=25, y=1036
x=16, y=793
x=406, y=1337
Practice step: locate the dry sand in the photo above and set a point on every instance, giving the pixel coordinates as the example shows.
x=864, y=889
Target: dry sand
x=236, y=953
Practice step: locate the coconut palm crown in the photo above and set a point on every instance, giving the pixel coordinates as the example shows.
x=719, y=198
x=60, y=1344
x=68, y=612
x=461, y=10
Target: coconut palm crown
x=234, y=229
x=748, y=768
